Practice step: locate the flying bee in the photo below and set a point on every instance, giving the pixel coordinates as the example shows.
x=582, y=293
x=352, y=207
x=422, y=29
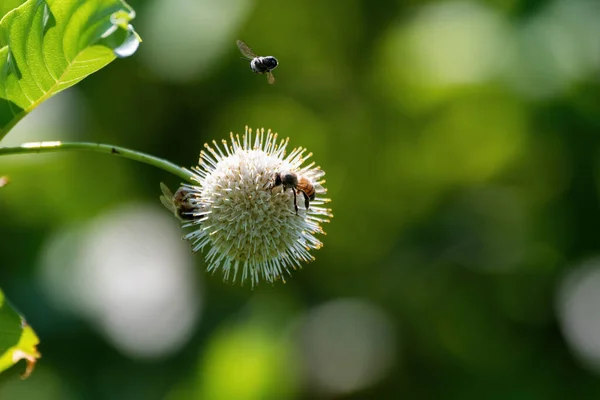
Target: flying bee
x=258, y=64
x=178, y=203
x=298, y=184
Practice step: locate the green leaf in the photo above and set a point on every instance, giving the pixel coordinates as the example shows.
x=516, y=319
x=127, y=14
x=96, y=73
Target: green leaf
x=47, y=46
x=8, y=5
x=17, y=340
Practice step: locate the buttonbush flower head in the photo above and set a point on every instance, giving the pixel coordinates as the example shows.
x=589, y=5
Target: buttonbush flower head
x=252, y=232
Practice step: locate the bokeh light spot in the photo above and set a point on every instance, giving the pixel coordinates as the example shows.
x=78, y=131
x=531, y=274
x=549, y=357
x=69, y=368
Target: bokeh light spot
x=347, y=345
x=578, y=302
x=183, y=38
x=130, y=275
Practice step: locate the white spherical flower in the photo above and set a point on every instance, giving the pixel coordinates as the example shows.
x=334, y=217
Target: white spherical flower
x=251, y=227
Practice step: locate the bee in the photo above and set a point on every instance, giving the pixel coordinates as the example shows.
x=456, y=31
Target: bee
x=298, y=184
x=178, y=203
x=260, y=65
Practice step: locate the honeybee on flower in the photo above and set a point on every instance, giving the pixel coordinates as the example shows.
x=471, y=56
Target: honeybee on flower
x=249, y=224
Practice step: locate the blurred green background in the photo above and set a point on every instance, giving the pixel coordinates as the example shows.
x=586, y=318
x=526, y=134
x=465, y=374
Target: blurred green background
x=461, y=145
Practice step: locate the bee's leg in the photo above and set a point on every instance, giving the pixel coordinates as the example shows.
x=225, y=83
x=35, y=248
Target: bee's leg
x=306, y=200
x=295, y=205
x=269, y=185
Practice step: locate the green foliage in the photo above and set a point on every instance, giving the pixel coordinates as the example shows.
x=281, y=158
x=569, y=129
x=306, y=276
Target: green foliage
x=17, y=340
x=48, y=46
x=8, y=5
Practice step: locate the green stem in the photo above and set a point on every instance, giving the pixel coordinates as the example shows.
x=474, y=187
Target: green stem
x=50, y=147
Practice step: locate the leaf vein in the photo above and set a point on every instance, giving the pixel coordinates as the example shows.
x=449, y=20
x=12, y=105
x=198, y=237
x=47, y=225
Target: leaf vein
x=25, y=58
x=15, y=72
x=88, y=61
x=67, y=22
x=42, y=41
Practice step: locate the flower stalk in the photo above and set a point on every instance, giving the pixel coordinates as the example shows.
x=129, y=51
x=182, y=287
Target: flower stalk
x=56, y=146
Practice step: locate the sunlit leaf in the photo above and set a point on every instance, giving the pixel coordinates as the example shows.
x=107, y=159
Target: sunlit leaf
x=47, y=46
x=8, y=5
x=17, y=340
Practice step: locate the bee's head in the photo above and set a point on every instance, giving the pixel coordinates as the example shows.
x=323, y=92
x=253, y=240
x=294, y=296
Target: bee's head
x=270, y=62
x=288, y=179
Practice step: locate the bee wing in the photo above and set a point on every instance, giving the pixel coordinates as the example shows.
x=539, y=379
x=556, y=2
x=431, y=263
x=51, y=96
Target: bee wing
x=245, y=49
x=319, y=187
x=167, y=198
x=270, y=77
x=166, y=191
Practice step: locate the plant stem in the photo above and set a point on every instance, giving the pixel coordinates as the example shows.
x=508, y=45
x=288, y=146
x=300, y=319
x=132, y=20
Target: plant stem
x=51, y=147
